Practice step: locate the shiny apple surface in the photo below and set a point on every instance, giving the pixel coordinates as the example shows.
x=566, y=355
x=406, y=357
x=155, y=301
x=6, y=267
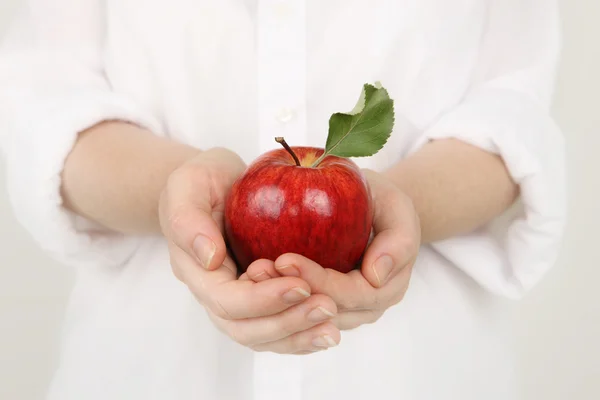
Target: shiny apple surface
x=277, y=207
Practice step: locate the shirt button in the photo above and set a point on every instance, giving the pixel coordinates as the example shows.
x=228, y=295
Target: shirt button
x=285, y=115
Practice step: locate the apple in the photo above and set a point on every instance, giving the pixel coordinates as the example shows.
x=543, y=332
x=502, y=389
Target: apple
x=281, y=204
x=308, y=200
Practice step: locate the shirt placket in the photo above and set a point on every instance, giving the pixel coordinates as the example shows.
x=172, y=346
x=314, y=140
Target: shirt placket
x=281, y=51
x=281, y=47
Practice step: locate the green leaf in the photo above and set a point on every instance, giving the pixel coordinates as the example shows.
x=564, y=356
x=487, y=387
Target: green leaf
x=365, y=130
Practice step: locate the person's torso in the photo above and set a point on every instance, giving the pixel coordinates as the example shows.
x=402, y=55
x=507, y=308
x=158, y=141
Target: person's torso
x=235, y=74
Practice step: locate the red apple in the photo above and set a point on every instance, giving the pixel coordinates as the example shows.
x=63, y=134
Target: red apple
x=283, y=205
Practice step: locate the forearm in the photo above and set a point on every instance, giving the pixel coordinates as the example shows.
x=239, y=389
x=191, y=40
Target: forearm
x=116, y=172
x=455, y=187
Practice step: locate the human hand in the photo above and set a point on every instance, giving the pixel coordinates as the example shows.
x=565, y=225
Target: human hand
x=362, y=296
x=279, y=315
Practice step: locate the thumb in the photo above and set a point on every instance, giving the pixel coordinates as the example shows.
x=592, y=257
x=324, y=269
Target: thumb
x=187, y=219
x=397, y=232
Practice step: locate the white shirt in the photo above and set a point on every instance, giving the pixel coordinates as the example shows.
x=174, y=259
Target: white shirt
x=235, y=74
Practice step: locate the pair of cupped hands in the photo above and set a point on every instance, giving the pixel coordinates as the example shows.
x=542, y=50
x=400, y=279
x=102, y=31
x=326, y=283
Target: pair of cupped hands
x=290, y=305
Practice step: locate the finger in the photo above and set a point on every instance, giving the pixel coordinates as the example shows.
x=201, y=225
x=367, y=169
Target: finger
x=397, y=233
x=247, y=299
x=320, y=337
x=350, y=291
x=187, y=215
x=185, y=267
x=244, y=277
x=261, y=276
x=390, y=295
x=256, y=331
x=259, y=272
x=232, y=299
x=349, y=320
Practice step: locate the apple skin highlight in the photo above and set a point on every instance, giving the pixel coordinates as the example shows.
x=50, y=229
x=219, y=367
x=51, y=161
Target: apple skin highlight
x=323, y=213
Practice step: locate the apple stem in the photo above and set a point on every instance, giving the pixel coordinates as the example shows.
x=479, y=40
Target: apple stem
x=318, y=161
x=282, y=142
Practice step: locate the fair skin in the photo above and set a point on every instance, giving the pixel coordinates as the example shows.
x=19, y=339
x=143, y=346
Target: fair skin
x=131, y=181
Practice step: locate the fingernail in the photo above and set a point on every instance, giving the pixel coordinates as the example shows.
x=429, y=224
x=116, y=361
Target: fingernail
x=295, y=295
x=288, y=270
x=324, y=341
x=259, y=275
x=320, y=314
x=205, y=250
x=382, y=268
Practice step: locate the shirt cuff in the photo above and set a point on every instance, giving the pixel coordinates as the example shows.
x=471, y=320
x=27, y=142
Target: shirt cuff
x=509, y=256
x=36, y=153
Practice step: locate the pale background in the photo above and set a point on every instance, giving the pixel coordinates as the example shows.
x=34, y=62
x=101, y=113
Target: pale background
x=559, y=325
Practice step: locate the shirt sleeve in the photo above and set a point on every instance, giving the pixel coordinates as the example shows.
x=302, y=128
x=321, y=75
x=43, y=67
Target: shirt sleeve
x=507, y=112
x=52, y=86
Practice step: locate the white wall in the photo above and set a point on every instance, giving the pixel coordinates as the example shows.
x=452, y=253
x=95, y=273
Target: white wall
x=559, y=323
